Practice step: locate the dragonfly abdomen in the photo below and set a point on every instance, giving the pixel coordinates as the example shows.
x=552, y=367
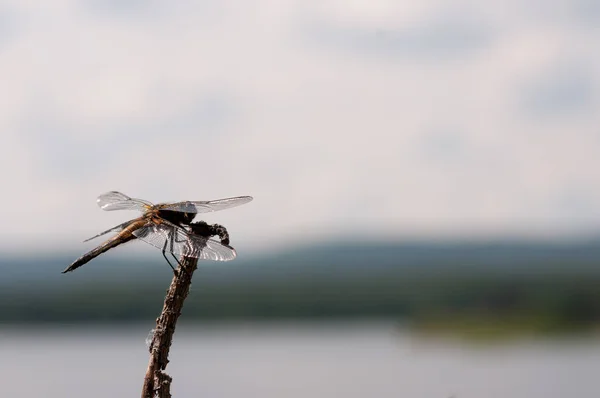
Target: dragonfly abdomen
x=123, y=237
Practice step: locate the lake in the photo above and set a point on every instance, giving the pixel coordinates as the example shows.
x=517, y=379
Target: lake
x=344, y=359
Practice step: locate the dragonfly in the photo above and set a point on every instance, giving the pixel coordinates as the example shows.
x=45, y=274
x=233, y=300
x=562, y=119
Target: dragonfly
x=167, y=226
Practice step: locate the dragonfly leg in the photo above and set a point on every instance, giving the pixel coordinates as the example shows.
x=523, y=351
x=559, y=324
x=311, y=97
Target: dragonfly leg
x=180, y=266
x=164, y=253
x=176, y=260
x=172, y=240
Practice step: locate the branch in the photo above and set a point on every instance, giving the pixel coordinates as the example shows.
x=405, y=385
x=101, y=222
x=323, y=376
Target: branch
x=157, y=384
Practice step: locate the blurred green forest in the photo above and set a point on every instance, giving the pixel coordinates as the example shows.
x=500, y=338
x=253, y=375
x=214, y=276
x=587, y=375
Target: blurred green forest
x=487, y=288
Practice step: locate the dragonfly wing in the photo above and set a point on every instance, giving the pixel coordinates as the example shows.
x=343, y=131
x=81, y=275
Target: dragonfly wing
x=171, y=238
x=206, y=206
x=118, y=228
x=114, y=200
x=213, y=250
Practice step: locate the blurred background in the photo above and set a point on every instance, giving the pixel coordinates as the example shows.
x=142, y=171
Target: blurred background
x=426, y=220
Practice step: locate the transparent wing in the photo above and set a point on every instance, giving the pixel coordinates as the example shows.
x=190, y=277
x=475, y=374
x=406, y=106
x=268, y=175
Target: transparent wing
x=114, y=200
x=206, y=206
x=178, y=241
x=118, y=228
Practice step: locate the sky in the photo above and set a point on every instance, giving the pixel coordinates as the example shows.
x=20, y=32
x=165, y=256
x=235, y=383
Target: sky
x=364, y=119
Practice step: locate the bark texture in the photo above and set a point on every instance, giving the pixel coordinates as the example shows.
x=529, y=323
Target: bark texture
x=157, y=384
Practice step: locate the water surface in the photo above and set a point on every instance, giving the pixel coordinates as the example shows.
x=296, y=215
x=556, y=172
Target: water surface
x=349, y=360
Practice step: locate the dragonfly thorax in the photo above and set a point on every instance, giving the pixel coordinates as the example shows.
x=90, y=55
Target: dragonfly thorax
x=177, y=217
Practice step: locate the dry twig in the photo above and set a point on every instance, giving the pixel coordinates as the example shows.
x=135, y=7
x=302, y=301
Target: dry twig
x=157, y=384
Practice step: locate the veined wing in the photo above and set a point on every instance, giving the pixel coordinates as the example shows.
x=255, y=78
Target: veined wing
x=118, y=228
x=114, y=200
x=205, y=206
x=169, y=237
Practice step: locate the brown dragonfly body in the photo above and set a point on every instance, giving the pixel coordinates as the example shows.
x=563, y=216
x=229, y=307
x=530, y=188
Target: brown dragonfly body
x=167, y=226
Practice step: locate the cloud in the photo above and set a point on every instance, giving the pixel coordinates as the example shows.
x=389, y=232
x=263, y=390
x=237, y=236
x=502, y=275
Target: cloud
x=439, y=38
x=8, y=26
x=559, y=91
x=119, y=7
x=332, y=124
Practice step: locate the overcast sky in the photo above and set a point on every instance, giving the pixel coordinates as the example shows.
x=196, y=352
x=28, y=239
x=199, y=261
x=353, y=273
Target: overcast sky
x=420, y=119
